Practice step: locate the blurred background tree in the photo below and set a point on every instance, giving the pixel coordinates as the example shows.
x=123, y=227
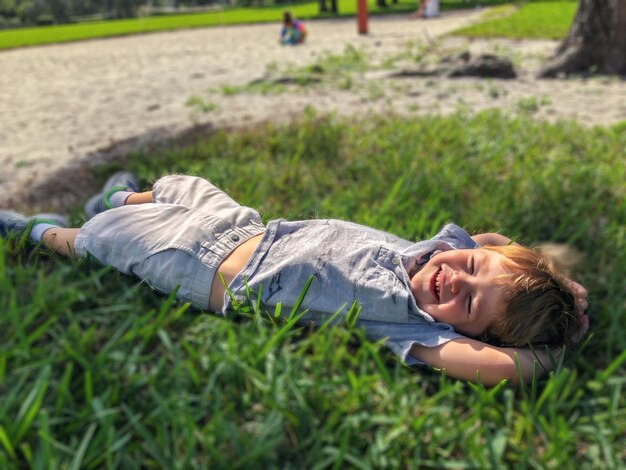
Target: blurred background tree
x=596, y=42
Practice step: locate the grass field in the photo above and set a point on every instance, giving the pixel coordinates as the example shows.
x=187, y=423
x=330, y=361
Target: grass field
x=96, y=371
x=97, y=29
x=531, y=20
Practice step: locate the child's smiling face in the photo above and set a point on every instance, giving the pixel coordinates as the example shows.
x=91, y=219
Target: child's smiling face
x=457, y=287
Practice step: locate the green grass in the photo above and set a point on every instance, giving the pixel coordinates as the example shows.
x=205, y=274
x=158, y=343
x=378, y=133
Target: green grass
x=97, y=371
x=468, y=4
x=533, y=20
x=337, y=70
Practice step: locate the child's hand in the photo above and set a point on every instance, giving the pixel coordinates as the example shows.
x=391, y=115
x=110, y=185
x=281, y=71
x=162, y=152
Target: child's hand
x=585, y=328
x=580, y=299
x=580, y=296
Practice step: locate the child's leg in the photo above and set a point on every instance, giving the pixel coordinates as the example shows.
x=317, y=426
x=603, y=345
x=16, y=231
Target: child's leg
x=165, y=245
x=37, y=227
x=61, y=240
x=187, y=191
x=139, y=198
x=162, y=239
x=192, y=192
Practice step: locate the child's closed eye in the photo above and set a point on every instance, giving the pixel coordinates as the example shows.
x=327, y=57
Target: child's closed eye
x=471, y=265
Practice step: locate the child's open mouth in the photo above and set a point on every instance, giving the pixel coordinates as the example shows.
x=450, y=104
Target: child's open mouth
x=434, y=284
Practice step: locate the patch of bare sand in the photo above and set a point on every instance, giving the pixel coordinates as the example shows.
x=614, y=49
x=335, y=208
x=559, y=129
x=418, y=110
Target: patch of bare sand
x=67, y=107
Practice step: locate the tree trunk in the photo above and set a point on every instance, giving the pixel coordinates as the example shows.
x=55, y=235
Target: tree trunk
x=333, y=6
x=596, y=41
x=323, y=6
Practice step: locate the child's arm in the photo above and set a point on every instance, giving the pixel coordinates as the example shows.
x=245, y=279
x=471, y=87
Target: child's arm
x=466, y=358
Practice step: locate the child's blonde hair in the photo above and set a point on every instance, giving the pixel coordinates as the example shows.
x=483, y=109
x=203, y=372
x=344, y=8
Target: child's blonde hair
x=540, y=307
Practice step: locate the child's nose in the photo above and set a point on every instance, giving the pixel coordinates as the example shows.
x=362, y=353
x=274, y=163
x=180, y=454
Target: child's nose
x=457, y=282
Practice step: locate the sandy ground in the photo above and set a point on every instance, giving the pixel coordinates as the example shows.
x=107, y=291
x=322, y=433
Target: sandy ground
x=66, y=107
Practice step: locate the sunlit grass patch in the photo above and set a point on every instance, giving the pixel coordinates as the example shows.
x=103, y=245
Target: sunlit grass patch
x=334, y=70
x=531, y=20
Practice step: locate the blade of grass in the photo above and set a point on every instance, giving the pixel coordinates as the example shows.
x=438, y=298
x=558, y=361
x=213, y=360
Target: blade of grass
x=31, y=405
x=77, y=461
x=6, y=443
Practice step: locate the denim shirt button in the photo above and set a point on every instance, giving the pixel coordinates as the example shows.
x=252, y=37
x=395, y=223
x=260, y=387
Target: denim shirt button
x=234, y=237
x=395, y=261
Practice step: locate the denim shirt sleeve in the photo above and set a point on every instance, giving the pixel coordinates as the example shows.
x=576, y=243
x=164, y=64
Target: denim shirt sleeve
x=456, y=237
x=400, y=337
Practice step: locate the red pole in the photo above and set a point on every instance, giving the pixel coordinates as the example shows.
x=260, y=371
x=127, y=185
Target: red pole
x=362, y=16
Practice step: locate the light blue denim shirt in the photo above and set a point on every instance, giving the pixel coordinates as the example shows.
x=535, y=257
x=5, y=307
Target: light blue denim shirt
x=348, y=262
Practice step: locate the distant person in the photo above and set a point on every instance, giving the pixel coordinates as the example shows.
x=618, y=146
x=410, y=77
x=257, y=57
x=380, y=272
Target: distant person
x=293, y=31
x=427, y=9
x=432, y=301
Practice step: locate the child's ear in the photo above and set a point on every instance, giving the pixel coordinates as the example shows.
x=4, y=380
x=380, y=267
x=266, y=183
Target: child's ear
x=564, y=257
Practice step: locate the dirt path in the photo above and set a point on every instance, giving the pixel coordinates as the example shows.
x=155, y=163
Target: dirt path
x=67, y=106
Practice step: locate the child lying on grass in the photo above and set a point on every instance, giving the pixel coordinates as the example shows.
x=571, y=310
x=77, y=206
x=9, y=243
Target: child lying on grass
x=432, y=300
